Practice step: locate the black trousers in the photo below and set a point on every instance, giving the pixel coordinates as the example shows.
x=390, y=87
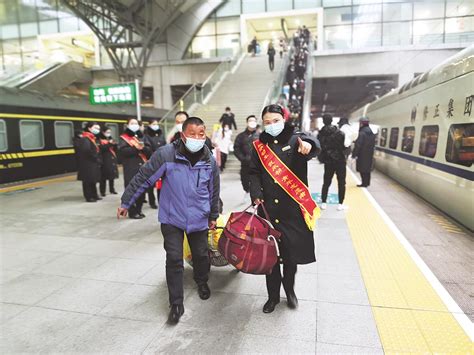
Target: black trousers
x=245, y=177
x=152, y=200
x=89, y=189
x=136, y=208
x=275, y=280
x=103, y=185
x=173, y=237
x=271, y=62
x=365, y=179
x=223, y=160
x=338, y=168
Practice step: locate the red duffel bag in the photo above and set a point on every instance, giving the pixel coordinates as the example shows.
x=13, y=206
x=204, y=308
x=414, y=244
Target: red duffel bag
x=249, y=242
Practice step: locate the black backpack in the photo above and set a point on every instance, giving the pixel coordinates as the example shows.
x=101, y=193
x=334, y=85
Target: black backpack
x=332, y=145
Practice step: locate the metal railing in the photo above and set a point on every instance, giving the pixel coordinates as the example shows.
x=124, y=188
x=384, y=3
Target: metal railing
x=306, y=112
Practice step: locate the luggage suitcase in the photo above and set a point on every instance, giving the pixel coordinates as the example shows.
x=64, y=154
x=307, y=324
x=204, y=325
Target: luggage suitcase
x=250, y=243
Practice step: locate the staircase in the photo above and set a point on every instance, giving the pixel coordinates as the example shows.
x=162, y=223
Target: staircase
x=243, y=91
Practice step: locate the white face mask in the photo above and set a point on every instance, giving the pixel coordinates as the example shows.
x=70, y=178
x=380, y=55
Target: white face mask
x=179, y=127
x=252, y=124
x=275, y=129
x=107, y=134
x=155, y=127
x=133, y=127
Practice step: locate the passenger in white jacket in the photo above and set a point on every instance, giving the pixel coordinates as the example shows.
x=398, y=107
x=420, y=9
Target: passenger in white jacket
x=349, y=135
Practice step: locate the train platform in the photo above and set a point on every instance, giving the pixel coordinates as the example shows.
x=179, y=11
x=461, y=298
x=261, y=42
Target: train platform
x=393, y=275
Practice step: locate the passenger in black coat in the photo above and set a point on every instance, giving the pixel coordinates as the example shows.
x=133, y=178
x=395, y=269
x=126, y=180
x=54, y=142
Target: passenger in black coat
x=228, y=119
x=243, y=150
x=89, y=161
x=155, y=138
x=364, y=151
x=108, y=149
x=297, y=241
x=133, y=155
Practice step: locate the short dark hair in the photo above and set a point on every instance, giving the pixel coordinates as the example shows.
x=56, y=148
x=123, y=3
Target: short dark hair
x=193, y=120
x=132, y=118
x=227, y=108
x=153, y=120
x=89, y=125
x=327, y=119
x=273, y=108
x=249, y=117
x=181, y=113
x=343, y=121
x=105, y=128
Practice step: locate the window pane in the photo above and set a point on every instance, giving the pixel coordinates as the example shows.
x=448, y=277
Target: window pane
x=396, y=33
x=204, y=47
x=337, y=37
x=228, y=25
x=397, y=12
x=393, y=138
x=338, y=16
x=63, y=133
x=47, y=9
x=29, y=29
x=408, y=139
x=31, y=135
x=279, y=5
x=208, y=28
x=252, y=6
x=429, y=141
x=428, y=32
x=10, y=31
x=459, y=29
x=367, y=35
x=307, y=4
x=228, y=45
x=230, y=8
x=50, y=26
x=428, y=9
x=3, y=136
x=383, y=137
x=460, y=148
x=114, y=130
x=68, y=24
x=329, y=3
x=368, y=13
x=459, y=8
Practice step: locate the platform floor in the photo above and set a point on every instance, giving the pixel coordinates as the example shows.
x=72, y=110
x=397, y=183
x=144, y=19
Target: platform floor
x=74, y=279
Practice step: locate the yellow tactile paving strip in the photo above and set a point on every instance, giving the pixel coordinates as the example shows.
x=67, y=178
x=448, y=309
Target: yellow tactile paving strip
x=409, y=314
x=37, y=183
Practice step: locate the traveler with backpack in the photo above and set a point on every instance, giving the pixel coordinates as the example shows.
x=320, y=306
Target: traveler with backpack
x=334, y=160
x=279, y=179
x=189, y=203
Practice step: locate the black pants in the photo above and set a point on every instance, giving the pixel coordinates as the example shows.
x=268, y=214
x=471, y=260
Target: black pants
x=271, y=63
x=174, y=260
x=223, y=160
x=365, y=179
x=245, y=177
x=275, y=280
x=151, y=196
x=89, y=189
x=339, y=168
x=103, y=185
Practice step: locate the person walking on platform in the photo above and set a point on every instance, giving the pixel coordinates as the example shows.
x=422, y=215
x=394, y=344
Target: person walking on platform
x=348, y=135
x=89, y=161
x=179, y=119
x=228, y=119
x=133, y=153
x=271, y=56
x=334, y=160
x=155, y=138
x=189, y=203
x=279, y=178
x=243, y=149
x=364, y=151
x=108, y=149
x=223, y=140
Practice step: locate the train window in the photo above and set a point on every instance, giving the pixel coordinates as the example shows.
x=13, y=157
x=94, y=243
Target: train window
x=3, y=136
x=383, y=137
x=460, y=147
x=63, y=133
x=115, y=130
x=408, y=139
x=393, y=138
x=429, y=141
x=31, y=135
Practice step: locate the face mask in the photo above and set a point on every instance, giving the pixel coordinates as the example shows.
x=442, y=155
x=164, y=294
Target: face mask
x=155, y=127
x=194, y=145
x=95, y=131
x=252, y=125
x=179, y=127
x=275, y=129
x=226, y=129
x=107, y=135
x=133, y=127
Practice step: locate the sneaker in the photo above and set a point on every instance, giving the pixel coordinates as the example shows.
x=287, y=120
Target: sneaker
x=324, y=206
x=341, y=207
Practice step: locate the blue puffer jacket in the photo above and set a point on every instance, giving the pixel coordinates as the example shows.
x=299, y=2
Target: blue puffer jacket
x=189, y=195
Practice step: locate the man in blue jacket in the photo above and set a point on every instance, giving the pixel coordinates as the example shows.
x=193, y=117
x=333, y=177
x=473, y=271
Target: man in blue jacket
x=188, y=203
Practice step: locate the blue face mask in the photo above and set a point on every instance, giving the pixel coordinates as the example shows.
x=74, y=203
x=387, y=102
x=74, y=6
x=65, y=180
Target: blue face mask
x=95, y=131
x=194, y=145
x=275, y=129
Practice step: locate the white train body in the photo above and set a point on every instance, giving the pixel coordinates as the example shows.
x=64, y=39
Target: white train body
x=433, y=152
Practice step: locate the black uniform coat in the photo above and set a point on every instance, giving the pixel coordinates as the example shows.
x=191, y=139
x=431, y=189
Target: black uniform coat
x=285, y=214
x=130, y=157
x=364, y=150
x=243, y=145
x=89, y=161
x=109, y=166
x=155, y=139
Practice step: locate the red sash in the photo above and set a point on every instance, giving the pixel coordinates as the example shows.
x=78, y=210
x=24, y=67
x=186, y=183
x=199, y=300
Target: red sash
x=289, y=182
x=111, y=149
x=134, y=142
x=92, y=138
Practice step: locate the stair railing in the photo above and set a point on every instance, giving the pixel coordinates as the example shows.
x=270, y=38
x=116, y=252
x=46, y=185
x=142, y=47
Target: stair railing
x=306, y=112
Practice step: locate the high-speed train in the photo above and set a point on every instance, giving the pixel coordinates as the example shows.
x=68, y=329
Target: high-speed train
x=425, y=135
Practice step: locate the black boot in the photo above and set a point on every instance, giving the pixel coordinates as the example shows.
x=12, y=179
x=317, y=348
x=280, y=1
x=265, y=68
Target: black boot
x=291, y=300
x=113, y=192
x=270, y=305
x=204, y=291
x=176, y=311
